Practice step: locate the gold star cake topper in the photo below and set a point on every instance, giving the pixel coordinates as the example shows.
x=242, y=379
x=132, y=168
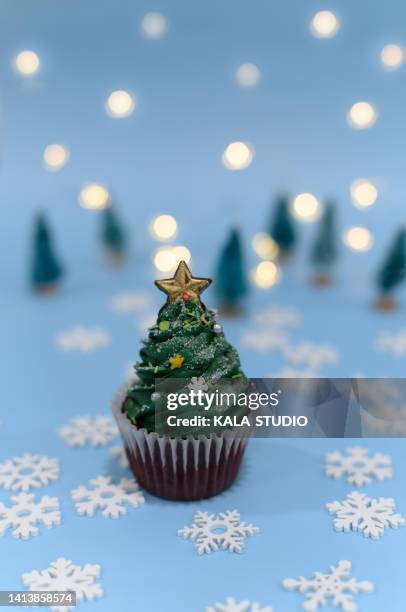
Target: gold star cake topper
x=183, y=285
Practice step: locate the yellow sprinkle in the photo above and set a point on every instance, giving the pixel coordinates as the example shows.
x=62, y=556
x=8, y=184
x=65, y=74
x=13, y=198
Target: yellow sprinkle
x=176, y=361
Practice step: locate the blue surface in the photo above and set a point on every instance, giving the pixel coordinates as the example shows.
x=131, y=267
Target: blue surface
x=166, y=158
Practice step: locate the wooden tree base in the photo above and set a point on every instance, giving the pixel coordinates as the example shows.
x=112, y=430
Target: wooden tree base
x=321, y=280
x=385, y=303
x=230, y=310
x=115, y=258
x=284, y=257
x=46, y=289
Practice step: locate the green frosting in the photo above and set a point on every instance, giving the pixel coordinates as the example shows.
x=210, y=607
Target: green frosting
x=184, y=329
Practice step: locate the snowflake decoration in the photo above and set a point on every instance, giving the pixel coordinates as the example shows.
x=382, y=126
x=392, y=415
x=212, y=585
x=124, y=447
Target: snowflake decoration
x=112, y=499
x=264, y=340
x=63, y=575
x=231, y=605
x=311, y=354
x=22, y=473
x=394, y=343
x=198, y=383
x=329, y=588
x=361, y=513
x=212, y=532
x=277, y=316
x=119, y=453
x=83, y=339
x=130, y=302
x=359, y=466
x=25, y=513
x=82, y=430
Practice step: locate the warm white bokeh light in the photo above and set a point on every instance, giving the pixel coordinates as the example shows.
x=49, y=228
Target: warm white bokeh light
x=265, y=274
x=324, y=24
x=362, y=115
x=55, y=157
x=153, y=25
x=94, y=196
x=182, y=253
x=164, y=227
x=247, y=75
x=392, y=57
x=165, y=259
x=120, y=104
x=264, y=246
x=363, y=193
x=238, y=156
x=27, y=63
x=306, y=207
x=358, y=238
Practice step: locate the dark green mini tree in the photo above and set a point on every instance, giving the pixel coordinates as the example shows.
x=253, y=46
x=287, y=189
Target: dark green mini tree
x=392, y=272
x=282, y=228
x=112, y=236
x=231, y=283
x=324, y=250
x=46, y=270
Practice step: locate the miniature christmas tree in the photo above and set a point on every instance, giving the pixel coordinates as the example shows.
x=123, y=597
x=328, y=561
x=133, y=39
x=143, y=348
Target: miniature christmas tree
x=231, y=283
x=324, y=251
x=185, y=343
x=282, y=228
x=392, y=272
x=112, y=236
x=46, y=269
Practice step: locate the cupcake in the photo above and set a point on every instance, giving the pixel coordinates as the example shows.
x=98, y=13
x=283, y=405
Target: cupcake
x=181, y=451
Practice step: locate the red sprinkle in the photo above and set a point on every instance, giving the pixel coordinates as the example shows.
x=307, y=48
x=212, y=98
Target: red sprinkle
x=186, y=298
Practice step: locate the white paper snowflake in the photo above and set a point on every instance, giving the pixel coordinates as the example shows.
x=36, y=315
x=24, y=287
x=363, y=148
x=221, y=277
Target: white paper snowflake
x=112, y=499
x=223, y=531
x=25, y=513
x=394, y=343
x=231, y=605
x=129, y=302
x=22, y=473
x=311, y=354
x=99, y=431
x=358, y=512
x=63, y=575
x=119, y=453
x=198, y=383
x=358, y=465
x=264, y=340
x=83, y=339
x=324, y=589
x=277, y=316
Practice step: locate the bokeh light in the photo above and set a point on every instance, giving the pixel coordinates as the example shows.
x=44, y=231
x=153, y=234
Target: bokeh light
x=363, y=193
x=120, y=104
x=306, y=207
x=324, y=24
x=361, y=116
x=55, y=157
x=27, y=63
x=165, y=259
x=164, y=227
x=238, y=156
x=247, y=75
x=264, y=246
x=182, y=253
x=153, y=25
x=392, y=57
x=265, y=274
x=94, y=196
x=358, y=238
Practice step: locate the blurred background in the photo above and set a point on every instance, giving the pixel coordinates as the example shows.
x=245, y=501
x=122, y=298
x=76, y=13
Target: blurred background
x=206, y=113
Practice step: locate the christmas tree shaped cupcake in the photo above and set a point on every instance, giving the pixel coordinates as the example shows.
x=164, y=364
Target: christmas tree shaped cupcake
x=46, y=271
x=392, y=273
x=187, y=348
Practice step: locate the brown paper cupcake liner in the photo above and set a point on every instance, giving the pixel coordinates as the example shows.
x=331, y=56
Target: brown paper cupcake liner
x=180, y=468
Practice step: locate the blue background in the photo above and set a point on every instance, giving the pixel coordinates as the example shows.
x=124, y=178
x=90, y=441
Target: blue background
x=166, y=158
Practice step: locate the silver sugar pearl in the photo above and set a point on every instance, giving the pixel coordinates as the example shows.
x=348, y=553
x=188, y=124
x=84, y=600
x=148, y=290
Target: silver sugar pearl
x=155, y=396
x=217, y=328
